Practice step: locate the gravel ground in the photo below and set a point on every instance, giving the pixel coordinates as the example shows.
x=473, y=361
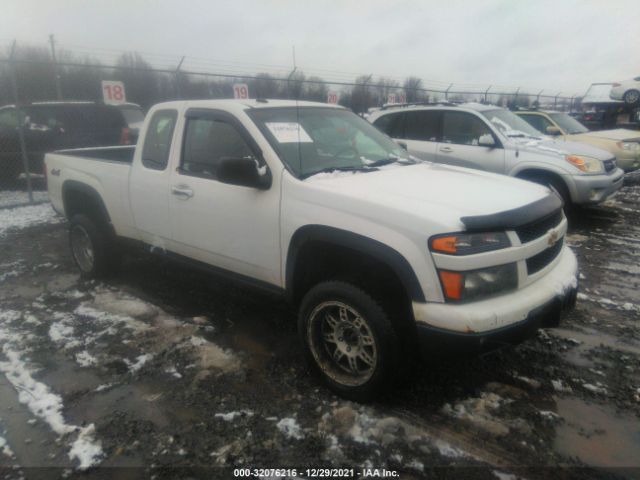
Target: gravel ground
x=166, y=372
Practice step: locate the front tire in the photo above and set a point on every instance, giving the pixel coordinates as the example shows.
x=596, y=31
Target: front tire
x=91, y=250
x=631, y=97
x=348, y=339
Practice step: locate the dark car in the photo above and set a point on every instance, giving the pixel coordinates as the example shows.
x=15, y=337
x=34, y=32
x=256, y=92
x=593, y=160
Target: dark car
x=49, y=126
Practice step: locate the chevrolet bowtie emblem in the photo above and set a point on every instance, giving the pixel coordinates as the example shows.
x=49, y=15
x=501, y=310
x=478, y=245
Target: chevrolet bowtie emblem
x=553, y=238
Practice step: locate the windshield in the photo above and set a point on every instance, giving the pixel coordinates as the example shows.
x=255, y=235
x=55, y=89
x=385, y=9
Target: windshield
x=316, y=139
x=510, y=124
x=568, y=124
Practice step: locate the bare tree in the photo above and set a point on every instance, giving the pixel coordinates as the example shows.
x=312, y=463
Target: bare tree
x=412, y=88
x=316, y=91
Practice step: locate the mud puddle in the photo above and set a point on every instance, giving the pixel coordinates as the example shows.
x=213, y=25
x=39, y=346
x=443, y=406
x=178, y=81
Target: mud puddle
x=597, y=435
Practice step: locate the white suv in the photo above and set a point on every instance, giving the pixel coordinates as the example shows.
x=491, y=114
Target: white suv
x=490, y=138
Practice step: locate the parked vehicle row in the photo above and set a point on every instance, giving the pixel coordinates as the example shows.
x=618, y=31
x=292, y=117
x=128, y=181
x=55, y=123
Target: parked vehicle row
x=382, y=254
x=623, y=143
x=49, y=126
x=496, y=140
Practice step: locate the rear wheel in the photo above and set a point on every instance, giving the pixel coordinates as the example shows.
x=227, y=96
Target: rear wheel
x=92, y=251
x=348, y=339
x=631, y=97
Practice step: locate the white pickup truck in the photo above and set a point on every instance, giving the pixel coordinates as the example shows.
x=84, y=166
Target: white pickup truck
x=382, y=254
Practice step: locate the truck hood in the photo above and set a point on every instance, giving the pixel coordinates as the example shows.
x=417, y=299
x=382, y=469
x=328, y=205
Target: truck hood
x=559, y=147
x=430, y=192
x=619, y=134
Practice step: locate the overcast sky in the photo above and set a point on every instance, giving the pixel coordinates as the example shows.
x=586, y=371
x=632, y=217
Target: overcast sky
x=556, y=45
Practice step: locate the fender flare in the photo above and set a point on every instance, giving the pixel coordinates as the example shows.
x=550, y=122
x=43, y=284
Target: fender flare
x=74, y=185
x=344, y=238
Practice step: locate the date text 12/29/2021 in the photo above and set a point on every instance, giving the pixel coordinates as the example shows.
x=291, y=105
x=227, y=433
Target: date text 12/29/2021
x=315, y=473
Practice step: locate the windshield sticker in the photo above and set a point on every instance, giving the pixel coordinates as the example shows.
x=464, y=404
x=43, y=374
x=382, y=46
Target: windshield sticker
x=289, y=132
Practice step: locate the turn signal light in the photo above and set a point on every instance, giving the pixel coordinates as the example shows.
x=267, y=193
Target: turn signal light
x=452, y=283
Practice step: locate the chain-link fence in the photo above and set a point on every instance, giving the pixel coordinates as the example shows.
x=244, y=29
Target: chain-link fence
x=47, y=105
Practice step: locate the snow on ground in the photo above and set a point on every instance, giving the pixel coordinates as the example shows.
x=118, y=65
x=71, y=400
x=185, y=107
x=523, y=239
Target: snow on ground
x=11, y=269
x=38, y=397
x=289, y=426
x=5, y=448
x=23, y=217
x=230, y=416
x=10, y=198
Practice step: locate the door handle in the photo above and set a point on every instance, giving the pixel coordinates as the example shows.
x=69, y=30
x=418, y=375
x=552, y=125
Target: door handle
x=182, y=191
x=446, y=149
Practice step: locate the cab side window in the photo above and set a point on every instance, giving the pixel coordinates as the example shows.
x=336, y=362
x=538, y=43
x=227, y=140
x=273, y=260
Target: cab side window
x=207, y=142
x=463, y=128
x=157, y=142
x=422, y=125
x=391, y=124
x=538, y=122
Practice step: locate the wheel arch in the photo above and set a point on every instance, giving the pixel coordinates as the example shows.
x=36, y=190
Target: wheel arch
x=310, y=245
x=78, y=197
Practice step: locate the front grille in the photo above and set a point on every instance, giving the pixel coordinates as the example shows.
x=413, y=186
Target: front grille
x=609, y=165
x=544, y=258
x=536, y=229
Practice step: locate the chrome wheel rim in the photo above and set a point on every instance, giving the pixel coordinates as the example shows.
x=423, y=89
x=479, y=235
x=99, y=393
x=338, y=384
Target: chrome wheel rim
x=82, y=248
x=632, y=96
x=342, y=343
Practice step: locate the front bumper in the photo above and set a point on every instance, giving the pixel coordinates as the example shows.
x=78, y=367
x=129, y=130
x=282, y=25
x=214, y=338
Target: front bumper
x=507, y=318
x=592, y=189
x=628, y=161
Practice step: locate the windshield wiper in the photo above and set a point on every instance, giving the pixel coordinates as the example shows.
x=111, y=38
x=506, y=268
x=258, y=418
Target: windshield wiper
x=394, y=159
x=363, y=168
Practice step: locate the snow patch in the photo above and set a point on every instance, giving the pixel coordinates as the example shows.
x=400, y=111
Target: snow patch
x=85, y=359
x=290, y=428
x=5, y=448
x=10, y=198
x=230, y=416
x=139, y=363
x=40, y=400
x=23, y=217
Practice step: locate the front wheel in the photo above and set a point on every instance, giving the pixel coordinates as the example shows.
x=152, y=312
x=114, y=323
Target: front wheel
x=631, y=97
x=348, y=339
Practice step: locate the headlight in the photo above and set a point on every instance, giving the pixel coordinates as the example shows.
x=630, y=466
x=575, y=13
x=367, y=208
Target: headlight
x=475, y=284
x=468, y=243
x=628, y=145
x=586, y=164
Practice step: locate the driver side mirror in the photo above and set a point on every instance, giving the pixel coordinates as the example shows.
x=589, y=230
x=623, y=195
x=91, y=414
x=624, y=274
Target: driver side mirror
x=487, y=140
x=553, y=130
x=243, y=171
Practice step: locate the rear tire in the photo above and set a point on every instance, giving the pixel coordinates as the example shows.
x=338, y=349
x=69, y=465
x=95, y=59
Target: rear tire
x=631, y=97
x=92, y=248
x=348, y=339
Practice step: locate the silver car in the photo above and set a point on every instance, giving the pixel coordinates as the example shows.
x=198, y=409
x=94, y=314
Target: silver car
x=491, y=138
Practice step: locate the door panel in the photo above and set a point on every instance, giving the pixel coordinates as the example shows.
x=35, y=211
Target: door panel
x=228, y=226
x=421, y=133
x=461, y=134
x=149, y=179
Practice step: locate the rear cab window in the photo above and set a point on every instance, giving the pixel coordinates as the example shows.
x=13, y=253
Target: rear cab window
x=157, y=142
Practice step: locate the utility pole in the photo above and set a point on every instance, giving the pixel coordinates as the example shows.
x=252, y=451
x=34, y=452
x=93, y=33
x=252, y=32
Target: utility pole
x=52, y=41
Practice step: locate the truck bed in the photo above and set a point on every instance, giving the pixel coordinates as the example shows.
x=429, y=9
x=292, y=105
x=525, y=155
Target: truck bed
x=112, y=154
